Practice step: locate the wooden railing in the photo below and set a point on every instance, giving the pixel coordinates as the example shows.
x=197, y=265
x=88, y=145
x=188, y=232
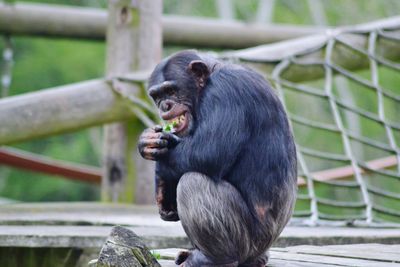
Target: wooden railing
x=33, y=162
x=37, y=163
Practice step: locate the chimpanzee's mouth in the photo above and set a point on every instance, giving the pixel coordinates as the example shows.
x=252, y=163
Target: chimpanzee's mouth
x=179, y=123
x=177, y=119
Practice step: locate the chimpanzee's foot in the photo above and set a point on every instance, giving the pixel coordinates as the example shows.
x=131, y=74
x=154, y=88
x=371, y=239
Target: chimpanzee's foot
x=259, y=262
x=182, y=256
x=169, y=215
x=195, y=258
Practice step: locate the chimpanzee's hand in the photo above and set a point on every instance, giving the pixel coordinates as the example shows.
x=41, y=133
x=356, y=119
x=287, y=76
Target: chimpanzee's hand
x=154, y=143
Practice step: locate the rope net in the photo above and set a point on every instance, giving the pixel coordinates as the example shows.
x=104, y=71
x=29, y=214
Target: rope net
x=341, y=92
x=342, y=97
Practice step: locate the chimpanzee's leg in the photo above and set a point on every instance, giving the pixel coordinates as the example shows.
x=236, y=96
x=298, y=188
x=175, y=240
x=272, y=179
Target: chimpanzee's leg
x=217, y=221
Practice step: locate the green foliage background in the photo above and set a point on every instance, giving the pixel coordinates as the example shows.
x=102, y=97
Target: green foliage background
x=42, y=63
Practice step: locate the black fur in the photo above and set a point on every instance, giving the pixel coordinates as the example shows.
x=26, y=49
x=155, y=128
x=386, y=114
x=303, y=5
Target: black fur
x=239, y=134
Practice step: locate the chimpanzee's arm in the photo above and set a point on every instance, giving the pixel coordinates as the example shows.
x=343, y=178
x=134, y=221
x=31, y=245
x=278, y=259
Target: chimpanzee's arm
x=166, y=198
x=218, y=139
x=152, y=145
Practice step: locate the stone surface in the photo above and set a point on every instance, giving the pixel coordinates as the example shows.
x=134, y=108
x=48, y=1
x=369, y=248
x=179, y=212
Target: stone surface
x=124, y=248
x=84, y=236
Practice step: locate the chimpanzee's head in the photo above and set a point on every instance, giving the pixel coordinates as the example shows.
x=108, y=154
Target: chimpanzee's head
x=175, y=85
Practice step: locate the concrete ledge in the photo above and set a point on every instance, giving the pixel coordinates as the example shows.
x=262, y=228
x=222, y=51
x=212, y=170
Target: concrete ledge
x=173, y=236
x=85, y=236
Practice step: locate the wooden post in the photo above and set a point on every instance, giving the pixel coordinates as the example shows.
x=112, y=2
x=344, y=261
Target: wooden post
x=134, y=42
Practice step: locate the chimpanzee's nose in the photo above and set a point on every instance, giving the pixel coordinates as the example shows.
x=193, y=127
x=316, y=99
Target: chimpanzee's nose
x=166, y=105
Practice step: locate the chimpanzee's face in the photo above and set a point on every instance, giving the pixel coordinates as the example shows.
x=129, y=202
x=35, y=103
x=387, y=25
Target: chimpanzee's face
x=175, y=106
x=175, y=85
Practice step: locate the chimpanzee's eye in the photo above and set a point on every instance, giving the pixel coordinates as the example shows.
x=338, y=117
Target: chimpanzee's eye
x=170, y=90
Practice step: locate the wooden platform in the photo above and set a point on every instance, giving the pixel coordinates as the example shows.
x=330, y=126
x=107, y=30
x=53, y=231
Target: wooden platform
x=356, y=255
x=87, y=225
x=78, y=231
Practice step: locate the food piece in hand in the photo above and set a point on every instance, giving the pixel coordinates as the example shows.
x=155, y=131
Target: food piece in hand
x=170, y=127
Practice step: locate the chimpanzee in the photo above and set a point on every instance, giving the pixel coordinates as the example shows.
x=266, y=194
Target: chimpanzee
x=228, y=171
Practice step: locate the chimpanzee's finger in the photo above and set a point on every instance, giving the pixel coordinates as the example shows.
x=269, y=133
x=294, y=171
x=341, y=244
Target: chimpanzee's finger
x=172, y=138
x=158, y=128
x=154, y=153
x=148, y=130
x=153, y=143
x=151, y=135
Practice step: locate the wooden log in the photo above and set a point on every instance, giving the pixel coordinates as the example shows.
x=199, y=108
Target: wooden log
x=52, y=20
x=59, y=110
x=201, y=32
x=133, y=43
x=124, y=248
x=90, y=23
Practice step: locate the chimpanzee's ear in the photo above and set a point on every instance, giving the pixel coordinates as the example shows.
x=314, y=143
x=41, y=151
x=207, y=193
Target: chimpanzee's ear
x=200, y=70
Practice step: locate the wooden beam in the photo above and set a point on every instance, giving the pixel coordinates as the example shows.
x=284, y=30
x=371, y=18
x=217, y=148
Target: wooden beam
x=59, y=110
x=37, y=163
x=211, y=33
x=52, y=20
x=90, y=23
